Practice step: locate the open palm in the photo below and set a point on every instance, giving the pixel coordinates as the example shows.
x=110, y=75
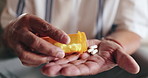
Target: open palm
x=110, y=55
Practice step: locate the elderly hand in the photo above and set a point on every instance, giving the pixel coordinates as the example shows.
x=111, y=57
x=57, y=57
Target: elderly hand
x=22, y=35
x=110, y=55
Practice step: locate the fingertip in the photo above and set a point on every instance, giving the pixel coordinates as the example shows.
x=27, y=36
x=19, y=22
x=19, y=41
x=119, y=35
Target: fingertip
x=60, y=54
x=60, y=36
x=137, y=69
x=55, y=52
x=134, y=69
x=51, y=71
x=84, y=56
x=126, y=62
x=65, y=39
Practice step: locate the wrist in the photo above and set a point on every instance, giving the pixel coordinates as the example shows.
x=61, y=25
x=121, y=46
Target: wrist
x=114, y=41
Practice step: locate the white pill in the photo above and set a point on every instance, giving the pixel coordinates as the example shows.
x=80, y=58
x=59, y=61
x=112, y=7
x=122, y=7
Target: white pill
x=93, y=46
x=94, y=51
x=90, y=50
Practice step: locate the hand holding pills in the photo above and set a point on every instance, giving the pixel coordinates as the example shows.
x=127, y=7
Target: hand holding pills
x=102, y=55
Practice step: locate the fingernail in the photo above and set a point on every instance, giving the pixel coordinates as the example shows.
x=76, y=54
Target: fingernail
x=65, y=39
x=60, y=54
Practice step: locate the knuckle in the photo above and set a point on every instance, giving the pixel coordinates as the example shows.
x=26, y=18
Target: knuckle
x=46, y=27
x=30, y=40
x=53, y=33
x=39, y=25
x=26, y=57
x=13, y=34
x=56, y=34
x=22, y=56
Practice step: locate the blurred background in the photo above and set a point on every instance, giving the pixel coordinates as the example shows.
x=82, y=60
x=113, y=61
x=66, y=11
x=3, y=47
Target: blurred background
x=11, y=67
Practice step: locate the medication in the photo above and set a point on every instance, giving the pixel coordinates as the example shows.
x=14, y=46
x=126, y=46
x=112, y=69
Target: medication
x=78, y=43
x=90, y=50
x=94, y=51
x=94, y=46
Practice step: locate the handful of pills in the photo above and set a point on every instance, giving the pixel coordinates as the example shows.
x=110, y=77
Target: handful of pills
x=93, y=49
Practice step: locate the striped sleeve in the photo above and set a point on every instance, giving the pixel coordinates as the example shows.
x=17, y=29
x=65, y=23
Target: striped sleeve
x=10, y=12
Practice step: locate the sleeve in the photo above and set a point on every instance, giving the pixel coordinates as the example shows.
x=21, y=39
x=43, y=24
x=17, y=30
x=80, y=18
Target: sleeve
x=9, y=12
x=133, y=16
x=14, y=8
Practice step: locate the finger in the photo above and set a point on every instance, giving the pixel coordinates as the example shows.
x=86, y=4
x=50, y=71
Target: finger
x=84, y=56
x=93, y=65
x=44, y=28
x=40, y=45
x=51, y=70
x=50, y=64
x=33, y=59
x=105, y=64
x=88, y=68
x=65, y=65
x=93, y=42
x=84, y=69
x=126, y=62
x=77, y=62
x=68, y=59
x=31, y=65
x=70, y=70
x=29, y=58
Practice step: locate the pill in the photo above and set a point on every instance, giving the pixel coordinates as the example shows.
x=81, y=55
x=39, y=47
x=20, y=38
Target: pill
x=94, y=51
x=93, y=46
x=90, y=50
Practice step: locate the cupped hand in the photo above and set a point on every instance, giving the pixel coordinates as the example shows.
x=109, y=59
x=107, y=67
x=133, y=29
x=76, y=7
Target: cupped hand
x=22, y=35
x=110, y=55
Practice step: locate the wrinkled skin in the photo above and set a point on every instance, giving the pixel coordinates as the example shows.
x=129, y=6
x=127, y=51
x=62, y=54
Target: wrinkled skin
x=21, y=36
x=110, y=55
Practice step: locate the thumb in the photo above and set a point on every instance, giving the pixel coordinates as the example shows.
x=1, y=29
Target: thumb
x=126, y=62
